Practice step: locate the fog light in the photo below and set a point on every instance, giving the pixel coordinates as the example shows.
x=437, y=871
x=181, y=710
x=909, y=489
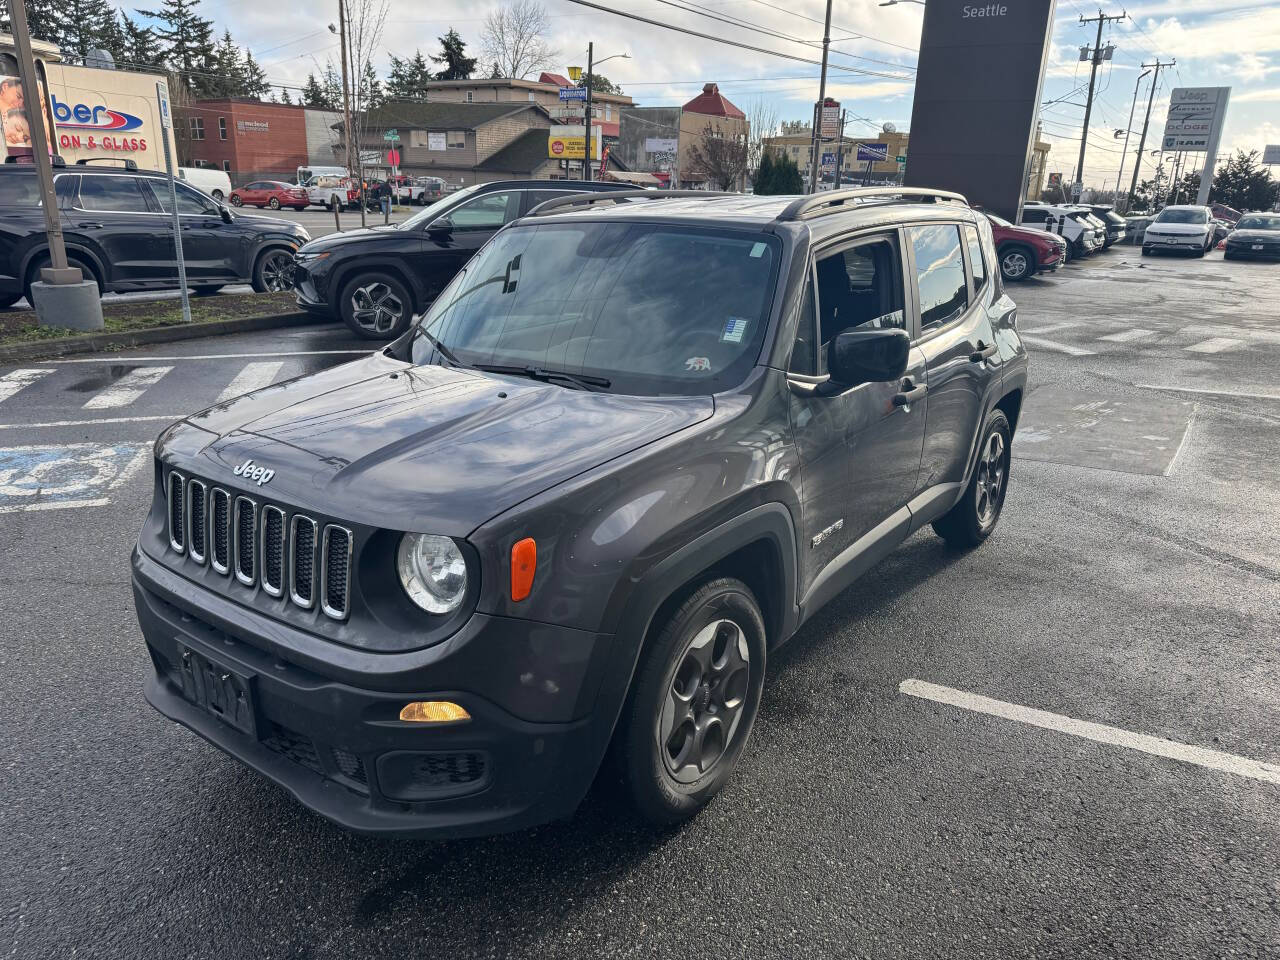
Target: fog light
x=433, y=711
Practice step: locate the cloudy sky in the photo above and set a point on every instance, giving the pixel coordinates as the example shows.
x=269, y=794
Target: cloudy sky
x=1215, y=42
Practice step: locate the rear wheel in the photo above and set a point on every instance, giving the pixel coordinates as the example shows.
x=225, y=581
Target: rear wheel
x=695, y=699
x=274, y=203
x=33, y=273
x=273, y=273
x=973, y=518
x=376, y=306
x=1016, y=263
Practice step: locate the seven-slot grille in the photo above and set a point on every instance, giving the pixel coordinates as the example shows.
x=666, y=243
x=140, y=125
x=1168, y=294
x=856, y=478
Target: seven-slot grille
x=262, y=544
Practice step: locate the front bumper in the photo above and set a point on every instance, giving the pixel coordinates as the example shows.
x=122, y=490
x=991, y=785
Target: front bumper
x=1187, y=244
x=1269, y=251
x=340, y=748
x=309, y=291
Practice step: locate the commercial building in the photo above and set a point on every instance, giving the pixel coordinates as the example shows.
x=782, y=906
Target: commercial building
x=666, y=141
x=798, y=146
x=252, y=140
x=96, y=113
x=545, y=92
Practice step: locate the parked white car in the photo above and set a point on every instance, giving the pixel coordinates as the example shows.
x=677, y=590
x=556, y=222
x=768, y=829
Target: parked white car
x=208, y=180
x=1075, y=225
x=1184, y=227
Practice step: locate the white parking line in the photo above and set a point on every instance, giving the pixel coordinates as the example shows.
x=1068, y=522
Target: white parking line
x=15, y=380
x=252, y=377
x=127, y=389
x=172, y=417
x=1215, y=345
x=1127, y=336
x=216, y=356
x=1099, y=733
x=1237, y=394
x=1057, y=347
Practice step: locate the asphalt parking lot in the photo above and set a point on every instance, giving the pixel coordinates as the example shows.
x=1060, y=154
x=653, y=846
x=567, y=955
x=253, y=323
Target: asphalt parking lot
x=1063, y=744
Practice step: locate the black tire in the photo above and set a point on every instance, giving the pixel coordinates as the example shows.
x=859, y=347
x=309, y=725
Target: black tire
x=1069, y=254
x=1146, y=252
x=1228, y=255
x=376, y=306
x=1016, y=262
x=9, y=299
x=273, y=271
x=207, y=291
x=217, y=195
x=973, y=518
x=236, y=201
x=33, y=273
x=723, y=618
x=274, y=203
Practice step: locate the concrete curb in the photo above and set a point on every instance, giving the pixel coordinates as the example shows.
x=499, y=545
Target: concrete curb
x=95, y=342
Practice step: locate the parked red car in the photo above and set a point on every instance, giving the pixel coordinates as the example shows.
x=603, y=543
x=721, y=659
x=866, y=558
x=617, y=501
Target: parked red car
x=270, y=193
x=1023, y=252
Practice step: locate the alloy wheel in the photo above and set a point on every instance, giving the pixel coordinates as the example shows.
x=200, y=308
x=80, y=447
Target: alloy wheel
x=704, y=703
x=275, y=203
x=991, y=479
x=277, y=271
x=1015, y=265
x=376, y=308
x=236, y=200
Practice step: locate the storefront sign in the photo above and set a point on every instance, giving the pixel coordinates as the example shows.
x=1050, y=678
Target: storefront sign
x=568, y=143
x=436, y=141
x=253, y=126
x=661, y=144
x=873, y=152
x=81, y=116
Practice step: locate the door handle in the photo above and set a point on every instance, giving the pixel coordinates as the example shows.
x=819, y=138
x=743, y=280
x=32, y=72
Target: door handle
x=983, y=354
x=88, y=225
x=909, y=393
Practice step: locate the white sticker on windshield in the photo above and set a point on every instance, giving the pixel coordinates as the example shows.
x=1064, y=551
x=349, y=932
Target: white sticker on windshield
x=735, y=328
x=697, y=364
x=758, y=249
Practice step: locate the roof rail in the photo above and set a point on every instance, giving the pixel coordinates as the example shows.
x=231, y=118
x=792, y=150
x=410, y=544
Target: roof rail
x=825, y=203
x=128, y=164
x=560, y=204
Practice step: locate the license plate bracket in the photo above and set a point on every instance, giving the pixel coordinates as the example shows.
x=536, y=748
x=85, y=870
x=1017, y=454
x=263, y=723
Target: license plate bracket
x=218, y=690
x=1257, y=246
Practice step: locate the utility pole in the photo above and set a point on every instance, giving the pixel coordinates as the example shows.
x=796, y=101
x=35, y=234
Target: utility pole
x=1142, y=141
x=817, y=110
x=346, y=100
x=586, y=145
x=1095, y=56
x=839, y=181
x=1129, y=126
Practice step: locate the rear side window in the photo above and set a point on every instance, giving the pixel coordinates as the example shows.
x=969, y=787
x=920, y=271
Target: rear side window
x=1033, y=216
x=976, y=265
x=488, y=211
x=121, y=194
x=19, y=191
x=940, y=275
x=860, y=287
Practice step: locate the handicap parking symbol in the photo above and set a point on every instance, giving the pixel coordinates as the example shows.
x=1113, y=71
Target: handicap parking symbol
x=66, y=475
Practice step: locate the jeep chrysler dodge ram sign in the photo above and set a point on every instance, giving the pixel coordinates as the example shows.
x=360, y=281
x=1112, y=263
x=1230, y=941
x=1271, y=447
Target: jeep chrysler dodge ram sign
x=972, y=129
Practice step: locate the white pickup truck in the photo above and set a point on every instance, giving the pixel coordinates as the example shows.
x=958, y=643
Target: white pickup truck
x=330, y=192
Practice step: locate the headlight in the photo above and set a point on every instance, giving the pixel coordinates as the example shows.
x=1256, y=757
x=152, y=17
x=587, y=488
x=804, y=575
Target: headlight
x=433, y=571
x=303, y=257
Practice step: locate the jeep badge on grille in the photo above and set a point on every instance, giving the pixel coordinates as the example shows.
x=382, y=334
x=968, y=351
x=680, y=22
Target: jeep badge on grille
x=259, y=474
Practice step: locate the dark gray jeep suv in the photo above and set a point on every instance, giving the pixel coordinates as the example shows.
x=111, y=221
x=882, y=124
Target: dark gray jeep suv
x=564, y=520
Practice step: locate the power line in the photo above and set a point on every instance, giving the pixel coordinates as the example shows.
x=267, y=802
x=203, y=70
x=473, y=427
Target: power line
x=855, y=35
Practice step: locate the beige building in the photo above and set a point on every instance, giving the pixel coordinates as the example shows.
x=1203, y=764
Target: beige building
x=798, y=146
x=96, y=113
x=664, y=141
x=545, y=92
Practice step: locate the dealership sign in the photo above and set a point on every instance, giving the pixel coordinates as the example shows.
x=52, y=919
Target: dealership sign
x=873, y=152
x=1195, y=118
x=1271, y=154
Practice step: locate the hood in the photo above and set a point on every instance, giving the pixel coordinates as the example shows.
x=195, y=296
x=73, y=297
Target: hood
x=432, y=449
x=1178, y=229
x=332, y=241
x=1033, y=235
x=1255, y=236
x=279, y=223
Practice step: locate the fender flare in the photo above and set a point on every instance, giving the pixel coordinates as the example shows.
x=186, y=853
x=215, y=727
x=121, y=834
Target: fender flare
x=73, y=249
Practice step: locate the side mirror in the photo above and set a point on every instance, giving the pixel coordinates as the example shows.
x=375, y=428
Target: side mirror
x=225, y=214
x=440, y=228
x=868, y=356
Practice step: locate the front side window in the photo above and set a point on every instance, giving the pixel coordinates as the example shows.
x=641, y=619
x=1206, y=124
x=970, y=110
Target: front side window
x=939, y=273
x=860, y=287
x=197, y=128
x=803, y=355
x=121, y=194
x=487, y=212
x=976, y=265
x=189, y=201
x=582, y=298
x=1033, y=216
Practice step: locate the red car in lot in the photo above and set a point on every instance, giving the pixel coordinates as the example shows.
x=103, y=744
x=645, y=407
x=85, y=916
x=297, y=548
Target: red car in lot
x=270, y=193
x=1023, y=252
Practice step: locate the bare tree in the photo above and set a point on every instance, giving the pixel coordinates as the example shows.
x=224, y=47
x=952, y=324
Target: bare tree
x=763, y=117
x=720, y=156
x=514, y=39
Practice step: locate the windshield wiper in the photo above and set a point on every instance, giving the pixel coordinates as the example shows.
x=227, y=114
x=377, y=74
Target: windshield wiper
x=581, y=380
x=421, y=331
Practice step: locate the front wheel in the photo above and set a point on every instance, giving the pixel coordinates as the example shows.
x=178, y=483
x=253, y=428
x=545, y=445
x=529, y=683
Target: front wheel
x=695, y=699
x=376, y=306
x=274, y=203
x=973, y=518
x=236, y=200
x=273, y=273
x=1015, y=263
x=9, y=299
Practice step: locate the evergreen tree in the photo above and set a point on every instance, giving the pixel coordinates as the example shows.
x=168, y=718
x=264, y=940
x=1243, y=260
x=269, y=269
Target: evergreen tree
x=496, y=72
x=46, y=20
x=332, y=86
x=1244, y=184
x=762, y=182
x=314, y=95
x=408, y=77
x=369, y=96
x=600, y=84
x=284, y=96
x=228, y=70
x=457, y=65
x=140, y=49
x=187, y=41
x=87, y=25
x=778, y=174
x=255, y=80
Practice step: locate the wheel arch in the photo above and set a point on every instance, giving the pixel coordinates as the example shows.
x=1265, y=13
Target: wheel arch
x=1025, y=248
x=73, y=250
x=347, y=272
x=1011, y=404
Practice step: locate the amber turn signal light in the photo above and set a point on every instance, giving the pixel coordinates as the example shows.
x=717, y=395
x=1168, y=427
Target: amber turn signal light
x=433, y=711
x=524, y=560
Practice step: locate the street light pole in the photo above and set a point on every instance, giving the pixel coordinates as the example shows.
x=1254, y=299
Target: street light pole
x=586, y=146
x=1129, y=126
x=1142, y=141
x=817, y=111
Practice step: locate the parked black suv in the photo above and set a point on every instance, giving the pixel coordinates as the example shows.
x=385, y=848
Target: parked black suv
x=377, y=279
x=627, y=452
x=119, y=232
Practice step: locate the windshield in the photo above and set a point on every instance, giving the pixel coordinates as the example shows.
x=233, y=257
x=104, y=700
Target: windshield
x=655, y=309
x=1259, y=223
x=438, y=209
x=1171, y=215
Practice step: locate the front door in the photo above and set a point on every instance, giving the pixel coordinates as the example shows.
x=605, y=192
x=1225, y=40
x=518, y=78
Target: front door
x=454, y=237
x=210, y=246
x=953, y=273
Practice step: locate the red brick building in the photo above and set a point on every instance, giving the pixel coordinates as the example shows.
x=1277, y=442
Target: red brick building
x=247, y=138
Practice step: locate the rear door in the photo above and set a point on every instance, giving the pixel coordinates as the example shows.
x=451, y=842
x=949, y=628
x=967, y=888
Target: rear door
x=115, y=213
x=954, y=291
